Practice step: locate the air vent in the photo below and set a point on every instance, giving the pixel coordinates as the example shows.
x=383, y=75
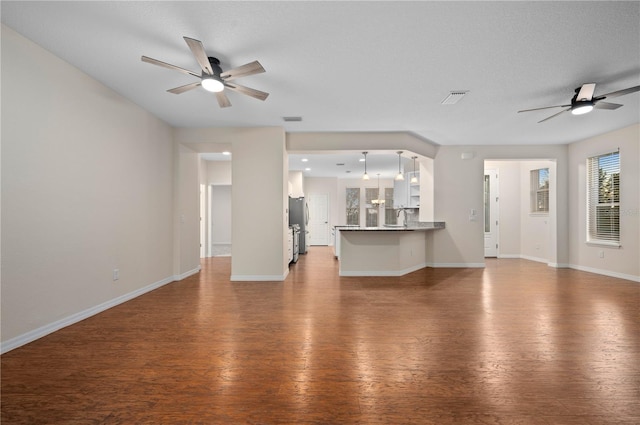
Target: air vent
x=292, y=119
x=454, y=97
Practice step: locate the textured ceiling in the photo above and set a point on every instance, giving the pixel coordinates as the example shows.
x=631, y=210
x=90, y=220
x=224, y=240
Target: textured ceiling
x=361, y=66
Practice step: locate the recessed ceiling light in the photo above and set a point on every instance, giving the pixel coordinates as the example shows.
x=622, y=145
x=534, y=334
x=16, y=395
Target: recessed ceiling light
x=307, y=169
x=361, y=160
x=305, y=159
x=226, y=153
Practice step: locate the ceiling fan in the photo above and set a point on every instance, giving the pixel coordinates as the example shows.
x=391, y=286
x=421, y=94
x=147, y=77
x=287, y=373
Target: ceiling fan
x=212, y=78
x=584, y=101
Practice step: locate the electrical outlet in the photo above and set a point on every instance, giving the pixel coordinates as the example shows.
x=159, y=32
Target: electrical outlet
x=116, y=274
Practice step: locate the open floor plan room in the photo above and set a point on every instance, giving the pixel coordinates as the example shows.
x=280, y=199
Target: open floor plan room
x=515, y=343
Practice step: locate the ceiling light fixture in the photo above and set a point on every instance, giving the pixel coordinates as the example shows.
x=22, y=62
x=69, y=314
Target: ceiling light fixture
x=399, y=176
x=582, y=107
x=212, y=83
x=365, y=176
x=414, y=178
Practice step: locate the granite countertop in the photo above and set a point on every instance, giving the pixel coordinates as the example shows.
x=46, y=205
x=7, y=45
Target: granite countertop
x=411, y=227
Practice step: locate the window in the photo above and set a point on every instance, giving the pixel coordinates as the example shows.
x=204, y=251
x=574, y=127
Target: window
x=371, y=210
x=353, y=205
x=540, y=190
x=390, y=214
x=603, y=198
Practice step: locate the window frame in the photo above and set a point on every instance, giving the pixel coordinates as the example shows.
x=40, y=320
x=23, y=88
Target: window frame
x=536, y=191
x=593, y=200
x=355, y=208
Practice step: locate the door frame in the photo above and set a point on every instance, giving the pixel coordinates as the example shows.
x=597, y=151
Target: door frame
x=494, y=211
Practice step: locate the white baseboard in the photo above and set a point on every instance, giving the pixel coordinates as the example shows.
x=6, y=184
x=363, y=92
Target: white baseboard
x=606, y=273
x=187, y=274
x=47, y=329
x=577, y=267
x=508, y=255
x=387, y=273
x=559, y=265
x=259, y=278
x=457, y=265
x=536, y=259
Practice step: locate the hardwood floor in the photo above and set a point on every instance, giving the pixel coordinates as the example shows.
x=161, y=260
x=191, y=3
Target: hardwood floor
x=515, y=343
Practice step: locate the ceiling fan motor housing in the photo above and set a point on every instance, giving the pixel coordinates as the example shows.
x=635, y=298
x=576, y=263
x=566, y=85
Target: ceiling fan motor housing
x=215, y=66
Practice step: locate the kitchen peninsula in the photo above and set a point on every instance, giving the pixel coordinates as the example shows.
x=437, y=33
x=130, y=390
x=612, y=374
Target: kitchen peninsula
x=384, y=251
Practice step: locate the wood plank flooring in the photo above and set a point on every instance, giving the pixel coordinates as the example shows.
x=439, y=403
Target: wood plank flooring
x=515, y=343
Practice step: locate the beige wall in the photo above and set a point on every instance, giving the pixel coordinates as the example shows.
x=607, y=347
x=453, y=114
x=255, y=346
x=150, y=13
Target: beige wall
x=188, y=212
x=259, y=205
x=219, y=172
x=459, y=188
x=535, y=229
x=87, y=187
x=259, y=171
x=624, y=261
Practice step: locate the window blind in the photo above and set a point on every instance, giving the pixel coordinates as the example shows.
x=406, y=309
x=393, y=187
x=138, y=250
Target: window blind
x=603, y=198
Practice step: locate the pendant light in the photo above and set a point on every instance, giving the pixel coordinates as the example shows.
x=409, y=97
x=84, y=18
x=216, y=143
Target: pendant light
x=380, y=201
x=414, y=178
x=399, y=176
x=365, y=176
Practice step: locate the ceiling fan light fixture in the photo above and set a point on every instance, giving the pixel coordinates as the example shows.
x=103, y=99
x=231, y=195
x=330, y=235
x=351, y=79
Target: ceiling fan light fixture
x=212, y=84
x=582, y=108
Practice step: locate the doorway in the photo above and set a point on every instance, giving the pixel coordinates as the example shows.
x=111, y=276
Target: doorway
x=221, y=217
x=319, y=219
x=491, y=212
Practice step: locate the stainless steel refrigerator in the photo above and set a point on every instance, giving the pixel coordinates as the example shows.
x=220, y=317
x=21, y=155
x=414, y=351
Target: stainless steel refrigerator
x=299, y=214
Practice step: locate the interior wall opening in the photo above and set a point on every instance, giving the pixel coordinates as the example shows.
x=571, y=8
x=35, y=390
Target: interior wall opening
x=524, y=220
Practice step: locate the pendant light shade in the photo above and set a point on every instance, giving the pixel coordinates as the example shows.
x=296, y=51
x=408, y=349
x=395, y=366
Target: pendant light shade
x=365, y=176
x=399, y=176
x=414, y=178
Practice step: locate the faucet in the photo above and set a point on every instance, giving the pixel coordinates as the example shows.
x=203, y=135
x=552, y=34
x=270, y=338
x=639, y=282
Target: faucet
x=402, y=210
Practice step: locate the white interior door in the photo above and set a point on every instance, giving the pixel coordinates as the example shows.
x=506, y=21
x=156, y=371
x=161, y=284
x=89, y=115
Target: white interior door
x=491, y=219
x=319, y=219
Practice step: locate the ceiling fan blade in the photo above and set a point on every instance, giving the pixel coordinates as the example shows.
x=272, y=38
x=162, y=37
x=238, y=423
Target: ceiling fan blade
x=546, y=107
x=621, y=92
x=201, y=56
x=168, y=65
x=247, y=90
x=223, y=100
x=554, y=115
x=184, y=88
x=243, y=71
x=607, y=105
x=586, y=92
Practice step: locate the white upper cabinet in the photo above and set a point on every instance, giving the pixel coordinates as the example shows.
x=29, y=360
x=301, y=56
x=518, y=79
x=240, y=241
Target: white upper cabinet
x=405, y=193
